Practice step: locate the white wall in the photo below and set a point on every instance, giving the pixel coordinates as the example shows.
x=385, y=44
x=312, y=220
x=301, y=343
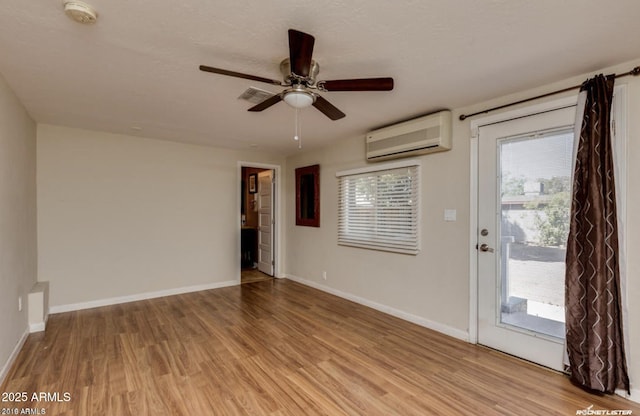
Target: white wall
x=17, y=220
x=432, y=288
x=122, y=216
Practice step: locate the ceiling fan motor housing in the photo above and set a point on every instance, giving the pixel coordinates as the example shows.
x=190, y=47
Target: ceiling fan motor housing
x=285, y=69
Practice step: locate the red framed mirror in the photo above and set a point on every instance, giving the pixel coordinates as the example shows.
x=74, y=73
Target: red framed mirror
x=308, y=196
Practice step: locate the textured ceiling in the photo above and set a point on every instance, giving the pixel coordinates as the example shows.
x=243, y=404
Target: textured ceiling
x=136, y=70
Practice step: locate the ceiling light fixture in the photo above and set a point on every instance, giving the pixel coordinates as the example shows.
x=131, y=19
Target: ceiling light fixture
x=80, y=11
x=299, y=97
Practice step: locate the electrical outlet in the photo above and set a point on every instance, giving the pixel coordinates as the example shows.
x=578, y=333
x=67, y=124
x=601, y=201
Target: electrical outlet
x=324, y=275
x=19, y=303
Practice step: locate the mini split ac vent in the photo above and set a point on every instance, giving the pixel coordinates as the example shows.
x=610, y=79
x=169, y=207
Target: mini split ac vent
x=428, y=134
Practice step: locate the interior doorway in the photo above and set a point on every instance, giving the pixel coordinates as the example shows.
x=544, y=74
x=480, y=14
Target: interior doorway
x=258, y=212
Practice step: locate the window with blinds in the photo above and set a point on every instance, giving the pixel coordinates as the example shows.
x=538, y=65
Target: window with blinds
x=378, y=207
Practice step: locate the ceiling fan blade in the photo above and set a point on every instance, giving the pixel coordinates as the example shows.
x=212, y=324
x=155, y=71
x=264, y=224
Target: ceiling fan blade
x=300, y=51
x=267, y=103
x=238, y=75
x=362, y=84
x=327, y=108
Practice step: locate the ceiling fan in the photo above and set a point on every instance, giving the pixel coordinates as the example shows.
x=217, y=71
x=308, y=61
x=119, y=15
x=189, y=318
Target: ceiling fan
x=299, y=72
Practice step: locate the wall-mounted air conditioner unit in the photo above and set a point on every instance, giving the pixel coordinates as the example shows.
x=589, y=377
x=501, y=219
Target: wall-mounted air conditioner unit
x=428, y=134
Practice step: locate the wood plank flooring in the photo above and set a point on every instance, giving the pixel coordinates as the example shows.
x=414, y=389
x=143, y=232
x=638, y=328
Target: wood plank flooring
x=253, y=275
x=275, y=348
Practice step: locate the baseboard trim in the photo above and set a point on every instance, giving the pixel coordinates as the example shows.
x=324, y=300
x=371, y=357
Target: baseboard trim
x=140, y=296
x=436, y=326
x=634, y=396
x=12, y=358
x=39, y=326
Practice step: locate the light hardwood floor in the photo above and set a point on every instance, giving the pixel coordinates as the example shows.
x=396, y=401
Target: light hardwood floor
x=253, y=275
x=276, y=348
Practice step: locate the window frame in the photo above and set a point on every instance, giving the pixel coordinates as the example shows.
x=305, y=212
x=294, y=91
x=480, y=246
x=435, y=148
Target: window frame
x=378, y=240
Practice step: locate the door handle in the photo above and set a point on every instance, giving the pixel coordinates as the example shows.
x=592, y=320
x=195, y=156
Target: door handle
x=485, y=247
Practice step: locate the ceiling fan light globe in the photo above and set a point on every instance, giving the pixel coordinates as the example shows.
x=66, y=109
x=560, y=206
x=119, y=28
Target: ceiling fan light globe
x=298, y=99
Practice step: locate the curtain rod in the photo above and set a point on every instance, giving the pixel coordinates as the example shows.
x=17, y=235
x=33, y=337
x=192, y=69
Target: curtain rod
x=635, y=71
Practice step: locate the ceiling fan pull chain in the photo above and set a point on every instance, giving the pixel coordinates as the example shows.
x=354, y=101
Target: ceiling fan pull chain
x=295, y=125
x=296, y=135
x=299, y=128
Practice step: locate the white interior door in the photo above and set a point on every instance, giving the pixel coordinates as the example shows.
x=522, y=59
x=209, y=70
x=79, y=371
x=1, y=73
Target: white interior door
x=265, y=222
x=524, y=174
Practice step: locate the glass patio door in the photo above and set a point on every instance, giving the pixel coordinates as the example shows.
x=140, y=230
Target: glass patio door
x=524, y=181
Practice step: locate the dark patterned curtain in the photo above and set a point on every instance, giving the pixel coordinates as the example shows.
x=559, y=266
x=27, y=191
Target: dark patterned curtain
x=595, y=344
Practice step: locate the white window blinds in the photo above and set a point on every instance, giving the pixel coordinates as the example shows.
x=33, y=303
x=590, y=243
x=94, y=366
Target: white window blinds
x=378, y=209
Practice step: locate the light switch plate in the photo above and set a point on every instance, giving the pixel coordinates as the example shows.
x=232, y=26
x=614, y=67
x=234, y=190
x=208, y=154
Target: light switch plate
x=450, y=214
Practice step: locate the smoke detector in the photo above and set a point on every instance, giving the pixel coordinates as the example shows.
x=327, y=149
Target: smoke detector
x=80, y=11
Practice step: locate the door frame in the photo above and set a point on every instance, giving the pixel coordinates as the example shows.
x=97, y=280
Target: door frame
x=277, y=214
x=473, y=197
